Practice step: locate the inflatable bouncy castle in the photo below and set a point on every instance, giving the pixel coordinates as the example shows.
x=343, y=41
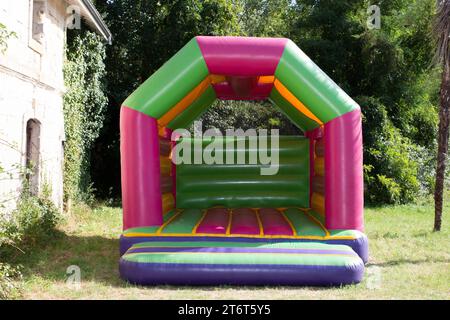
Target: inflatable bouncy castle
x=219, y=223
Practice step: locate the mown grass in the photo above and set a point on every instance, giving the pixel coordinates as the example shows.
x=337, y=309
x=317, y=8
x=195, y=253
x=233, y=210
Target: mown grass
x=407, y=261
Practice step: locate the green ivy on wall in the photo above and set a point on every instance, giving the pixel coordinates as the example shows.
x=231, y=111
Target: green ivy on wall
x=5, y=34
x=84, y=107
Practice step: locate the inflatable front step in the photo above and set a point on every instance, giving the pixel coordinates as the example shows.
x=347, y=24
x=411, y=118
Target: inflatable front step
x=237, y=263
x=245, y=225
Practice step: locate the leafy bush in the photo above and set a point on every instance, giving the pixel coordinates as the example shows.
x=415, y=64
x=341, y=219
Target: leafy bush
x=387, y=189
x=9, y=288
x=392, y=176
x=35, y=219
x=33, y=222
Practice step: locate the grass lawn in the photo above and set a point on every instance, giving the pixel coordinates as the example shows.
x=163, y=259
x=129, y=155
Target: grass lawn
x=407, y=261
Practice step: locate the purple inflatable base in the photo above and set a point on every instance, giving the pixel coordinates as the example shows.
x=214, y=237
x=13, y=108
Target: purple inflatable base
x=359, y=245
x=226, y=274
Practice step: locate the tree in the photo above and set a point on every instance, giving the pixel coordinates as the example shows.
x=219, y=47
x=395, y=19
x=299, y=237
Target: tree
x=264, y=18
x=146, y=34
x=442, y=34
x=387, y=72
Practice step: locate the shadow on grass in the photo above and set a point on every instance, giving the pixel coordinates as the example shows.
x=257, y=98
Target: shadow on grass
x=407, y=261
x=98, y=259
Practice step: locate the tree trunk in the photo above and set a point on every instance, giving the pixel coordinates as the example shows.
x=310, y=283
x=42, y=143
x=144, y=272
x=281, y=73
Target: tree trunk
x=443, y=136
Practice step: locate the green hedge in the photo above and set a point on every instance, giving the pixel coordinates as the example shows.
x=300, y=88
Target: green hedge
x=392, y=162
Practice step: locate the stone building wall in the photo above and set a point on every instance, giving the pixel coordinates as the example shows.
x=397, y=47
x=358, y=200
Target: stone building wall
x=31, y=87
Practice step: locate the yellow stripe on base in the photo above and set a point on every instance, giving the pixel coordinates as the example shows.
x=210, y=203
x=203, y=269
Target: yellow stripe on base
x=258, y=218
x=165, y=224
x=230, y=219
x=281, y=210
x=149, y=235
x=205, y=212
x=311, y=217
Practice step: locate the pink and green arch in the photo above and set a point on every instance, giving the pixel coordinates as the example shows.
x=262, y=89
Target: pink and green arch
x=236, y=68
x=242, y=68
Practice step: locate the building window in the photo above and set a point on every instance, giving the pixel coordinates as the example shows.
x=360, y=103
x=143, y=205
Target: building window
x=37, y=18
x=33, y=155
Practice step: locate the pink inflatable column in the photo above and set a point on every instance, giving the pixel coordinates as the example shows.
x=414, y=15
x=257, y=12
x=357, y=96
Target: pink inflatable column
x=139, y=149
x=344, y=194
